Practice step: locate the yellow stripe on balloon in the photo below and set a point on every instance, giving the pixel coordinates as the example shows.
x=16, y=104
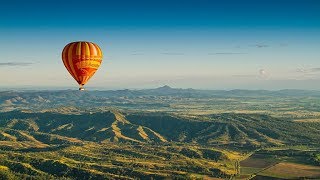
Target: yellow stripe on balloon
x=93, y=49
x=78, y=52
x=98, y=50
x=87, y=49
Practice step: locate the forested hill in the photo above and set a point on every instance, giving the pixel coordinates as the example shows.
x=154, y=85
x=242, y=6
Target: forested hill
x=239, y=130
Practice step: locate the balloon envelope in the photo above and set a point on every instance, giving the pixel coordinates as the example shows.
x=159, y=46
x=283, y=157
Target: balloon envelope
x=82, y=60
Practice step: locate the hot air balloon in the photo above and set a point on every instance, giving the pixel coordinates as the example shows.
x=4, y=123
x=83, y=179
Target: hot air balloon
x=82, y=59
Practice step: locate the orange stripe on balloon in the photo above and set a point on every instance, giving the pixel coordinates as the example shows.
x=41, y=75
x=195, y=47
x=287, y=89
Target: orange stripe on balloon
x=64, y=54
x=81, y=79
x=89, y=77
x=70, y=61
x=77, y=59
x=65, y=49
x=65, y=59
x=85, y=79
x=83, y=50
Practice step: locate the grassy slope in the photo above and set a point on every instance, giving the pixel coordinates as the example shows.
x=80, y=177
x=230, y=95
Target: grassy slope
x=110, y=160
x=154, y=145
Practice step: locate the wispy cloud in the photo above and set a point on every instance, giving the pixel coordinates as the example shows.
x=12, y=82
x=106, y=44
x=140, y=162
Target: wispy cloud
x=315, y=69
x=244, y=75
x=226, y=53
x=283, y=44
x=16, y=64
x=262, y=74
x=173, y=53
x=305, y=73
x=136, y=54
x=260, y=45
x=307, y=70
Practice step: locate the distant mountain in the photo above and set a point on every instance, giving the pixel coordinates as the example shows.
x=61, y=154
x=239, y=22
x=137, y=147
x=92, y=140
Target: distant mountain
x=10, y=100
x=164, y=88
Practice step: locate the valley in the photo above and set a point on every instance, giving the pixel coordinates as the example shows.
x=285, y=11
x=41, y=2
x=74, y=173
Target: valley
x=159, y=134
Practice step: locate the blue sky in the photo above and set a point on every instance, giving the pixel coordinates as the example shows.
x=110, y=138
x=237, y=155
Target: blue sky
x=203, y=44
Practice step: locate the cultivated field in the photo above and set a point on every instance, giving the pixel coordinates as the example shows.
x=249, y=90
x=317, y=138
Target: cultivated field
x=280, y=164
x=292, y=170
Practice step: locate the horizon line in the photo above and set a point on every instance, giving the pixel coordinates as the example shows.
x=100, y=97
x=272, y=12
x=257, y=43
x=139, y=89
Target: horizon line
x=67, y=88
